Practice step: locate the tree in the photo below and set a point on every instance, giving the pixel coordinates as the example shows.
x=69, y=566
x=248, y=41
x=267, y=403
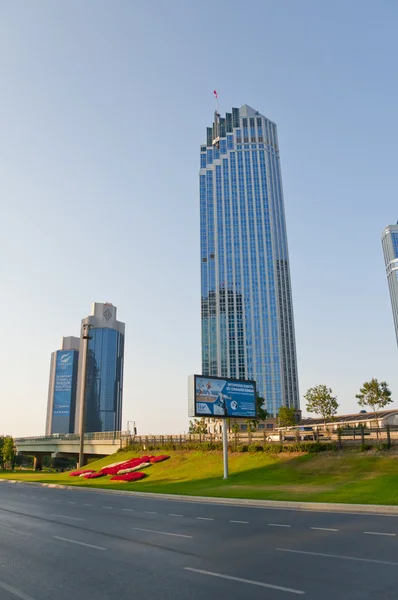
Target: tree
x=262, y=414
x=1, y=451
x=375, y=395
x=197, y=426
x=8, y=450
x=286, y=416
x=321, y=402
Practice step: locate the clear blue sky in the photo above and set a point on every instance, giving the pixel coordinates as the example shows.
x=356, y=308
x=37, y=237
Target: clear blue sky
x=103, y=107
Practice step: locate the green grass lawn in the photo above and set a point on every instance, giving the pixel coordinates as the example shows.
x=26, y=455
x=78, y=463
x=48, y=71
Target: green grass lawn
x=326, y=477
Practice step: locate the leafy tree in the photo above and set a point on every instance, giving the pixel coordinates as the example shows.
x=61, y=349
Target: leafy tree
x=197, y=426
x=321, y=402
x=286, y=416
x=8, y=450
x=262, y=414
x=376, y=395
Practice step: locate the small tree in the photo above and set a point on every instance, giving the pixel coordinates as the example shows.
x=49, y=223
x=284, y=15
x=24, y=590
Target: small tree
x=8, y=451
x=197, y=426
x=1, y=451
x=286, y=416
x=262, y=414
x=321, y=402
x=375, y=395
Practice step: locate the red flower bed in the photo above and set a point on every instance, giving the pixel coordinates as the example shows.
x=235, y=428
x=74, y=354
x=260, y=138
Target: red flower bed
x=93, y=475
x=161, y=458
x=134, y=476
x=80, y=472
x=128, y=464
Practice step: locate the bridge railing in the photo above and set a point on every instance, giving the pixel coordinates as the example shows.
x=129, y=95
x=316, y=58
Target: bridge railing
x=70, y=437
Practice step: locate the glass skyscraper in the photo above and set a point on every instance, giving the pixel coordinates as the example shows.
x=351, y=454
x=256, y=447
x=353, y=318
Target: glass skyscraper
x=104, y=377
x=390, y=248
x=247, y=313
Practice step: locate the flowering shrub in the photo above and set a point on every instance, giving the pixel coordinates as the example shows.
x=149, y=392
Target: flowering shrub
x=93, y=475
x=136, y=476
x=161, y=458
x=80, y=472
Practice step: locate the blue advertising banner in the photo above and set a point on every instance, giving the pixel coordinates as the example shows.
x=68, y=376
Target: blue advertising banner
x=218, y=397
x=63, y=382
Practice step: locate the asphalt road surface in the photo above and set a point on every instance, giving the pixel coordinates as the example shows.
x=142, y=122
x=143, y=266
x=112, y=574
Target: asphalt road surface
x=60, y=544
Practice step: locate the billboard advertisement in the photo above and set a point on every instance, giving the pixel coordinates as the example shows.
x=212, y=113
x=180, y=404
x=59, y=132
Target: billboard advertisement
x=63, y=384
x=219, y=397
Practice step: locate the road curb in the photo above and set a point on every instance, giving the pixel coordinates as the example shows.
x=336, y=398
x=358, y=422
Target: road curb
x=370, y=509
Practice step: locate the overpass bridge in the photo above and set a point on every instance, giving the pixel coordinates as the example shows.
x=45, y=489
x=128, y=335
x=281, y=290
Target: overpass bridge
x=67, y=444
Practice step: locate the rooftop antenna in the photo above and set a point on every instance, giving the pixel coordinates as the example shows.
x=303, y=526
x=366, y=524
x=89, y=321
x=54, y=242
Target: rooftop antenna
x=216, y=140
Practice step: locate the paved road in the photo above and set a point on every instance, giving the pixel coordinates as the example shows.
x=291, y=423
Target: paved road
x=78, y=545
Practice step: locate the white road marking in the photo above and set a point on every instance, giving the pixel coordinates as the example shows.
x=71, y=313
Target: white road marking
x=79, y=543
x=108, y=507
x=367, y=560
x=150, y=512
x=66, y=517
x=4, y=524
x=204, y=519
x=56, y=500
x=161, y=532
x=277, y=525
x=323, y=529
x=379, y=533
x=71, y=502
x=249, y=581
x=15, y=592
x=87, y=504
x=239, y=521
x=128, y=509
x=175, y=515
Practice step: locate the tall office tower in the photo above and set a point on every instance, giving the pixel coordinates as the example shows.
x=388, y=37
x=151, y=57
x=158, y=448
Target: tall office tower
x=390, y=248
x=104, y=376
x=247, y=313
x=62, y=387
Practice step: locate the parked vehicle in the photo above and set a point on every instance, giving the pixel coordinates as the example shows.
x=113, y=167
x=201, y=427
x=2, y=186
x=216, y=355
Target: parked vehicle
x=289, y=434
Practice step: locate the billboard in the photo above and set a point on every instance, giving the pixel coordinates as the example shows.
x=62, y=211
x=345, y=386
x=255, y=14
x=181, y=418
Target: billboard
x=220, y=397
x=63, y=384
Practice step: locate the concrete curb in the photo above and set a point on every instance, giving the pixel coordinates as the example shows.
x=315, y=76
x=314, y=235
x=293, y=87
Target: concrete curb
x=370, y=509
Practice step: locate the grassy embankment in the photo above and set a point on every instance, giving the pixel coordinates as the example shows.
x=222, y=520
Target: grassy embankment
x=350, y=477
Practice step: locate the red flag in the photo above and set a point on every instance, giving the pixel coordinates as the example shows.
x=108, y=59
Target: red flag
x=215, y=93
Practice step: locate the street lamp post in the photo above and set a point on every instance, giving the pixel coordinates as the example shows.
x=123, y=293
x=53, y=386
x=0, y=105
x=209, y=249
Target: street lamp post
x=82, y=415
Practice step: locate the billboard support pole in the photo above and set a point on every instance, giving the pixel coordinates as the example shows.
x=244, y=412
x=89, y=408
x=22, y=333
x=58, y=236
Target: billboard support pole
x=225, y=446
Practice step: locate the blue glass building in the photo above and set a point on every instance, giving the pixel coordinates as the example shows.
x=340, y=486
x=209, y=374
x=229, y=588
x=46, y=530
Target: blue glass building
x=247, y=313
x=390, y=249
x=104, y=376
x=62, y=387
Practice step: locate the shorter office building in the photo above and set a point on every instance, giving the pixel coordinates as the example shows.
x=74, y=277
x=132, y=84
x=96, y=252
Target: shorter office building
x=61, y=402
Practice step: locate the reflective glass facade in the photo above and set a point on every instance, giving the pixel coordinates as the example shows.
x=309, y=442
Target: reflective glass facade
x=104, y=384
x=64, y=394
x=390, y=249
x=247, y=315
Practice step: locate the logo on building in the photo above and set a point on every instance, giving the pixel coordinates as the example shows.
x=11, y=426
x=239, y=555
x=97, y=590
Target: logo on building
x=107, y=314
x=65, y=358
